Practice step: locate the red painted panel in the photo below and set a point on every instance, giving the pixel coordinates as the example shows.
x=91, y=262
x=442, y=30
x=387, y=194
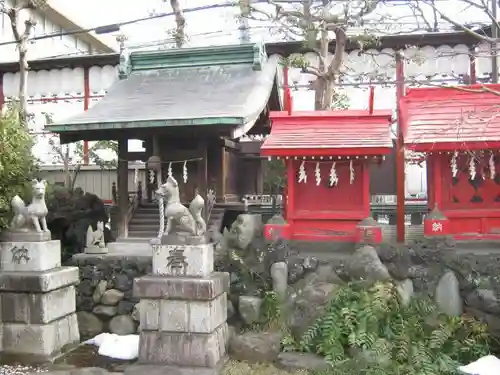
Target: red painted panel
x=322, y=199
x=466, y=226
x=324, y=230
x=461, y=192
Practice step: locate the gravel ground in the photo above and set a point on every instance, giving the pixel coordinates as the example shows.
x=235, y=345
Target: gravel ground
x=19, y=370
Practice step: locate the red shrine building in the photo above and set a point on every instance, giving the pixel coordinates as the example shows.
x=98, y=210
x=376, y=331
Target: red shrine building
x=327, y=156
x=458, y=130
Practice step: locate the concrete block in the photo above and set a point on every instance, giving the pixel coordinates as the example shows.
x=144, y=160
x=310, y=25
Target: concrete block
x=192, y=260
x=30, y=256
x=40, y=340
x=149, y=314
x=183, y=316
x=36, y=282
x=206, y=316
x=38, y=308
x=183, y=349
x=181, y=288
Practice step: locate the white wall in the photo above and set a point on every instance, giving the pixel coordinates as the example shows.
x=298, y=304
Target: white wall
x=42, y=48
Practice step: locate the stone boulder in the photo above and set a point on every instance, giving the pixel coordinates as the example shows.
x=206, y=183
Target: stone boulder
x=122, y=325
x=105, y=311
x=99, y=291
x=366, y=265
x=306, y=302
x=485, y=300
x=255, y=347
x=292, y=361
x=249, y=309
x=448, y=297
x=89, y=324
x=111, y=297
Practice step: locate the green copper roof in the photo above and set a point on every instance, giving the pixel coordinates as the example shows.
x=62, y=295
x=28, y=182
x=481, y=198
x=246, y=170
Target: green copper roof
x=228, y=85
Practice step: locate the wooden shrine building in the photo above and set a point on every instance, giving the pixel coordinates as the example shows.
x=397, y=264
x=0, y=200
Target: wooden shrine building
x=189, y=106
x=458, y=131
x=327, y=155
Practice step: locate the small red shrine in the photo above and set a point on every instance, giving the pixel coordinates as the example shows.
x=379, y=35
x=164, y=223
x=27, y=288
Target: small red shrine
x=458, y=130
x=327, y=154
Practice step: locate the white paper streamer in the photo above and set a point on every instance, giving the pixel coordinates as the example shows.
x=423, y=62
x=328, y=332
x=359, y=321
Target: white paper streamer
x=317, y=174
x=185, y=172
x=302, y=173
x=333, y=178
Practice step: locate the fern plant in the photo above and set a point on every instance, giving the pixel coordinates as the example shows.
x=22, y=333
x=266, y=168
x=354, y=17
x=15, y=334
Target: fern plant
x=370, y=330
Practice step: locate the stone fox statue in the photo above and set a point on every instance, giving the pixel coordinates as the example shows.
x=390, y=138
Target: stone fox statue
x=179, y=216
x=32, y=216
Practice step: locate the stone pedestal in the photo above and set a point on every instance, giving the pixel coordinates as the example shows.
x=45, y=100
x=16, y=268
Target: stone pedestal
x=96, y=250
x=183, y=308
x=37, y=298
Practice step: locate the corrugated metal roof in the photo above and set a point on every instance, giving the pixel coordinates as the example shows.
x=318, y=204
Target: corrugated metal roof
x=439, y=118
x=325, y=133
x=230, y=94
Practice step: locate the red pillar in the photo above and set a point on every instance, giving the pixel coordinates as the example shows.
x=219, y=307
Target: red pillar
x=86, y=102
x=400, y=154
x=287, y=95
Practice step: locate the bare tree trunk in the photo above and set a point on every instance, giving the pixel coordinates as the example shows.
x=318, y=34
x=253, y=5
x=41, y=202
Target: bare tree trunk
x=180, y=21
x=22, y=45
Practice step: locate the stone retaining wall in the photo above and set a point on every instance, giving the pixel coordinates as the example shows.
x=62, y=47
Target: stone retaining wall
x=104, y=300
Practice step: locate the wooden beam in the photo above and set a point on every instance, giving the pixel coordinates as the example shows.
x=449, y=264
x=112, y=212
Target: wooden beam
x=230, y=144
x=123, y=186
x=203, y=173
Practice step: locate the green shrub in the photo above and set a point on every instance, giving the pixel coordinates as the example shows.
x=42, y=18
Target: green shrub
x=368, y=330
x=16, y=163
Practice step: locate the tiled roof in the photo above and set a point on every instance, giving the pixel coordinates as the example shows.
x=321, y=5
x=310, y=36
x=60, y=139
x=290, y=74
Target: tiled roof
x=325, y=133
x=448, y=119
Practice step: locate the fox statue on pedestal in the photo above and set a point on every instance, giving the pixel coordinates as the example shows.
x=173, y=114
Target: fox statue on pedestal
x=178, y=217
x=33, y=216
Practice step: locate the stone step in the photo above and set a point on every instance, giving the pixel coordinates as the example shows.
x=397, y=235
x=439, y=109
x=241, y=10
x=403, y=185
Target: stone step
x=146, y=216
x=143, y=209
x=143, y=234
x=143, y=227
x=144, y=221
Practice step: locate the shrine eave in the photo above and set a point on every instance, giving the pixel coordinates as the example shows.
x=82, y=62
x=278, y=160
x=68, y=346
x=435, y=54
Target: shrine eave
x=441, y=119
x=325, y=153
x=440, y=147
x=329, y=133
x=230, y=95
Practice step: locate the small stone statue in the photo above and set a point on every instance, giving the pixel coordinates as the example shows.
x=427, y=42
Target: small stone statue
x=178, y=217
x=95, y=240
x=32, y=217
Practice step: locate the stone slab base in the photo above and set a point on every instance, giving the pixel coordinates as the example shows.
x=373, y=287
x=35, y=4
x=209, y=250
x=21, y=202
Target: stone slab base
x=38, y=282
x=195, y=317
x=141, y=369
x=39, y=343
x=96, y=250
x=25, y=236
x=30, y=256
x=37, y=308
x=182, y=288
x=183, y=260
x=184, y=349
